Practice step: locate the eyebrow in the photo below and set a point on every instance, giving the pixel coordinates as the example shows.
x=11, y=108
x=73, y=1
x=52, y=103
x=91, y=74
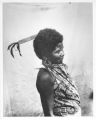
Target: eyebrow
x=58, y=48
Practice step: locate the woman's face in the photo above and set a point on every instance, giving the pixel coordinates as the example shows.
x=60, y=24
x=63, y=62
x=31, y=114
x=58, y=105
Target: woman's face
x=57, y=55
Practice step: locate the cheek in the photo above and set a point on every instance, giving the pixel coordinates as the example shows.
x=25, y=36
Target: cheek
x=56, y=55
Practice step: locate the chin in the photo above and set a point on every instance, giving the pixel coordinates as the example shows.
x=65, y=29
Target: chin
x=60, y=62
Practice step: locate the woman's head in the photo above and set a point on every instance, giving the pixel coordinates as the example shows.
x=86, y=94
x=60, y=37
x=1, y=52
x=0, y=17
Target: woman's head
x=46, y=41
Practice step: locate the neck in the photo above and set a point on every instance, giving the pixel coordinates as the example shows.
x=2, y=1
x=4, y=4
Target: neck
x=48, y=63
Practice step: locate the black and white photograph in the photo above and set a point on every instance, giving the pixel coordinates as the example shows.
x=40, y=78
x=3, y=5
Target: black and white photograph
x=47, y=59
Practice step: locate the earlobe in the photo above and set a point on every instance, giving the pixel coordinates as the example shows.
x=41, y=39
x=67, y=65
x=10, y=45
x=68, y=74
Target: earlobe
x=44, y=58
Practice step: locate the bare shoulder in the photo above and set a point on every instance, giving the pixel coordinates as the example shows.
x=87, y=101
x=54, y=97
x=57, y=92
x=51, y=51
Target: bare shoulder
x=44, y=80
x=43, y=74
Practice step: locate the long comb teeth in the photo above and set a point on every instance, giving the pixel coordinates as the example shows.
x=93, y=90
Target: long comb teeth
x=18, y=47
x=11, y=47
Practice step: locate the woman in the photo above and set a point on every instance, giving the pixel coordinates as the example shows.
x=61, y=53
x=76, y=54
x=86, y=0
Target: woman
x=59, y=96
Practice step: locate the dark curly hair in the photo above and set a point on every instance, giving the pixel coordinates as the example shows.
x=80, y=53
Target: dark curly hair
x=46, y=41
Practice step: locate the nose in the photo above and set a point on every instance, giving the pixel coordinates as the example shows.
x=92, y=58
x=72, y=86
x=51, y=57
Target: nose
x=62, y=54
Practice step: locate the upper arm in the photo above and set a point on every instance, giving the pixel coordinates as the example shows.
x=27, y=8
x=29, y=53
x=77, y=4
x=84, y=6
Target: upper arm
x=45, y=87
x=44, y=82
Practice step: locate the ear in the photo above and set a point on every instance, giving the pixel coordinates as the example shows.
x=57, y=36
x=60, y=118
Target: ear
x=44, y=58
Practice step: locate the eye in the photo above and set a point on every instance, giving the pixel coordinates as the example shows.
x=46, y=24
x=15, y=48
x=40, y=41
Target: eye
x=57, y=51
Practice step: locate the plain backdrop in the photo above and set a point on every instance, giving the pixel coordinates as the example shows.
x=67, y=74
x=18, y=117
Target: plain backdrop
x=20, y=20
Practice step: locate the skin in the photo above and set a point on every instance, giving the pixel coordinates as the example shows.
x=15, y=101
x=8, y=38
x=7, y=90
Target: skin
x=45, y=83
x=56, y=57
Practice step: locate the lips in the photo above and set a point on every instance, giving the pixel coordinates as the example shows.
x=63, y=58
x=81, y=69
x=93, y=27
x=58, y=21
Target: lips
x=62, y=57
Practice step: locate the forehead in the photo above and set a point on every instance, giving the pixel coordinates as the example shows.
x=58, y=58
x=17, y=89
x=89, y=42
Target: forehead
x=59, y=45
